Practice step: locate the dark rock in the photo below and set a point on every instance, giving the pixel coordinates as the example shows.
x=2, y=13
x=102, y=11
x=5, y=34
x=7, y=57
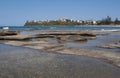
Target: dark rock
x=88, y=34
x=110, y=46
x=16, y=37
x=7, y=33
x=71, y=38
x=60, y=33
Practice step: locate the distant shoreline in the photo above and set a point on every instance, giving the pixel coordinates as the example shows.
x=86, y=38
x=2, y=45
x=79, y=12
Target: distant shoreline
x=68, y=25
x=82, y=25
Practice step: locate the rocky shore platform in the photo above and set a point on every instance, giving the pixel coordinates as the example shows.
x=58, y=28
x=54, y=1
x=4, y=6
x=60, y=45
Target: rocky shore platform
x=52, y=41
x=22, y=62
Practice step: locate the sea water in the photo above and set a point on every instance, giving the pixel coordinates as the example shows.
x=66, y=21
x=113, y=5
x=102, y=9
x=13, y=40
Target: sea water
x=73, y=28
x=95, y=43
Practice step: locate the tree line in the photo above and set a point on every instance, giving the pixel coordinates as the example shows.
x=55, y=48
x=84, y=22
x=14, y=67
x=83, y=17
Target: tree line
x=105, y=21
x=109, y=21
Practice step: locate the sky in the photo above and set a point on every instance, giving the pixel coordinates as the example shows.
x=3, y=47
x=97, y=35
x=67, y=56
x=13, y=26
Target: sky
x=17, y=12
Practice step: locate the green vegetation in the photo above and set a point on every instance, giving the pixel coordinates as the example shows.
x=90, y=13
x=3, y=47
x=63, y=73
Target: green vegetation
x=117, y=22
x=104, y=21
x=31, y=23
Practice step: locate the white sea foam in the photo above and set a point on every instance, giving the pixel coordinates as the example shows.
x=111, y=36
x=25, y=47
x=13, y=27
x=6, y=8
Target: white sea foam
x=113, y=30
x=5, y=28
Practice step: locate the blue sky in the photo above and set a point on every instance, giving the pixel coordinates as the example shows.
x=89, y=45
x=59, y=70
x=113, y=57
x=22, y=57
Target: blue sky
x=16, y=12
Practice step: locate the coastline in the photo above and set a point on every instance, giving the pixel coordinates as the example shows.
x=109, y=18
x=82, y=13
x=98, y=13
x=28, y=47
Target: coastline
x=69, y=25
x=81, y=25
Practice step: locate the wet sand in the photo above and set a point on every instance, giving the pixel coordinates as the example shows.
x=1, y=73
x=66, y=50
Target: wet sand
x=19, y=62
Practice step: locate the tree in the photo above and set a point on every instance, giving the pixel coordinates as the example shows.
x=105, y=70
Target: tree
x=116, y=22
x=26, y=23
x=106, y=21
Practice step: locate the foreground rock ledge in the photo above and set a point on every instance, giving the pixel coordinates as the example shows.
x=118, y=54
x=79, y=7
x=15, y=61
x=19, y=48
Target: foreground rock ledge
x=55, y=34
x=16, y=40
x=111, y=46
x=110, y=57
x=7, y=33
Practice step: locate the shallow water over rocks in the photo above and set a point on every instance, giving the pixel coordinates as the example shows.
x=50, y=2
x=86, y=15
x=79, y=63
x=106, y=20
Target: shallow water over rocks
x=19, y=62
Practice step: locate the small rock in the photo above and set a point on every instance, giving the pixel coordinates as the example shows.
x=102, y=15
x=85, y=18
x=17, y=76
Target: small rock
x=7, y=33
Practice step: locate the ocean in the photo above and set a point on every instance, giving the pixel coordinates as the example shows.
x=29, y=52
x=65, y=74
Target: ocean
x=73, y=28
